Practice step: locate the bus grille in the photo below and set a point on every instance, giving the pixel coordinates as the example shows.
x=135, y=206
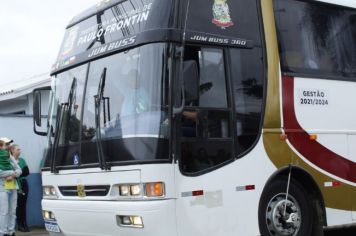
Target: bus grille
x=90, y=191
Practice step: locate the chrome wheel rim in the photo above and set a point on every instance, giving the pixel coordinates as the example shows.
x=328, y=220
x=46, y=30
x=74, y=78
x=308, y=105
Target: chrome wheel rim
x=283, y=217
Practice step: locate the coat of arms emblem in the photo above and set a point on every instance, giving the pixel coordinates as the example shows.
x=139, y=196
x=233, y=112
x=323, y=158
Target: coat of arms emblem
x=221, y=13
x=81, y=191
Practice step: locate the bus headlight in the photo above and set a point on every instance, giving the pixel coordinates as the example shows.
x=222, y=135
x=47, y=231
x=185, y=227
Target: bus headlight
x=48, y=215
x=49, y=192
x=149, y=190
x=124, y=190
x=135, y=190
x=130, y=221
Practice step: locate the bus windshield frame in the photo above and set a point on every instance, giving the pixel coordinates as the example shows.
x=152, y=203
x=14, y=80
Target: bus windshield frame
x=134, y=124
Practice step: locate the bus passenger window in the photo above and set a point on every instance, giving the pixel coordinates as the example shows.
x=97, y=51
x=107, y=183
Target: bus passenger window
x=316, y=39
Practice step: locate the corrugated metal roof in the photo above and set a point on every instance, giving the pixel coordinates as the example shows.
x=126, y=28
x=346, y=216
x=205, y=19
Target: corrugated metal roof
x=23, y=87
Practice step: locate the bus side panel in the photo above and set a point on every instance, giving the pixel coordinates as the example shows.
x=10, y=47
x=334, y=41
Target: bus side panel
x=226, y=205
x=323, y=110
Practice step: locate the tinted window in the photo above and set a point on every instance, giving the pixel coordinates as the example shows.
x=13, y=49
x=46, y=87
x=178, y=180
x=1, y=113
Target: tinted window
x=210, y=89
x=247, y=76
x=206, y=121
x=316, y=38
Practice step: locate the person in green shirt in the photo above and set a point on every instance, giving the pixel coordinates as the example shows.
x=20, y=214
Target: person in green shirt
x=23, y=189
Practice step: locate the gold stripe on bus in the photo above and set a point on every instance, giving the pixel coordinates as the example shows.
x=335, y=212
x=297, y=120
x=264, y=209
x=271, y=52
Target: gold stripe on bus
x=272, y=113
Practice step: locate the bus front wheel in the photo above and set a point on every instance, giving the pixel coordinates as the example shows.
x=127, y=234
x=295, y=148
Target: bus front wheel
x=282, y=215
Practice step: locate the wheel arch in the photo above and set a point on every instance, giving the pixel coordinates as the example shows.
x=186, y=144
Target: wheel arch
x=304, y=178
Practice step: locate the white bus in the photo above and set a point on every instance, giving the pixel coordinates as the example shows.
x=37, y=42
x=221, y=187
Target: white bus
x=196, y=117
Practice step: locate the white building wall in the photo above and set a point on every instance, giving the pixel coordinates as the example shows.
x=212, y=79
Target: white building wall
x=20, y=129
x=14, y=105
x=24, y=103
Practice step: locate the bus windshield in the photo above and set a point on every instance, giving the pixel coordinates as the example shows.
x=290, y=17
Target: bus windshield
x=120, y=101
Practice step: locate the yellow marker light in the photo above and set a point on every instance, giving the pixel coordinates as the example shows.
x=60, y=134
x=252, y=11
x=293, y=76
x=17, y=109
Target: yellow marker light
x=135, y=190
x=283, y=137
x=155, y=189
x=124, y=190
x=313, y=137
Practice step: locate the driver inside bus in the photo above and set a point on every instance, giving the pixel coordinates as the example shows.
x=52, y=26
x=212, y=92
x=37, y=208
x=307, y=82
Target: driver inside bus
x=135, y=96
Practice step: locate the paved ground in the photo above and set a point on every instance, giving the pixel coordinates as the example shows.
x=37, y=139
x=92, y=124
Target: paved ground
x=346, y=232
x=34, y=232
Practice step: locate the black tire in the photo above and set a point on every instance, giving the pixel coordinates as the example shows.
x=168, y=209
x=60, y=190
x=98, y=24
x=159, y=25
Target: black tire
x=271, y=201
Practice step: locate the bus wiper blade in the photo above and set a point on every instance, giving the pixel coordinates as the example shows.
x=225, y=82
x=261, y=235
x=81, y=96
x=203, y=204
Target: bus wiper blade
x=59, y=125
x=72, y=93
x=63, y=108
x=100, y=39
x=98, y=98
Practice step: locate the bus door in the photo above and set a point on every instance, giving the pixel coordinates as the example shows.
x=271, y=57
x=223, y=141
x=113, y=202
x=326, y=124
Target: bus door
x=204, y=143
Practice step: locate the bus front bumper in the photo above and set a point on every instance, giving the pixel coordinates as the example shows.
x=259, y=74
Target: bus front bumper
x=76, y=218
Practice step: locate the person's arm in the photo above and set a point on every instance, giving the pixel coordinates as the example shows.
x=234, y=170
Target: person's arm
x=191, y=115
x=6, y=173
x=25, y=171
x=16, y=166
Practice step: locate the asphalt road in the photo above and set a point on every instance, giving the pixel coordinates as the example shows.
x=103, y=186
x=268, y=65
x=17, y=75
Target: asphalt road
x=34, y=232
x=344, y=232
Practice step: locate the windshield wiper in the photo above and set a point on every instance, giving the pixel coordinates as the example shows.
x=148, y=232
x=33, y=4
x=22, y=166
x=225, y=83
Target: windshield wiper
x=98, y=98
x=64, y=107
x=100, y=39
x=59, y=124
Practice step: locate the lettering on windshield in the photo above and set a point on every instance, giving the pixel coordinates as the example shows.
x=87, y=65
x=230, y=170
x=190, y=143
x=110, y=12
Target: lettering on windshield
x=112, y=46
x=115, y=24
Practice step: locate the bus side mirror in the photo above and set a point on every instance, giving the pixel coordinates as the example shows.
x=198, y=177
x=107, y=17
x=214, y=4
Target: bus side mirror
x=187, y=87
x=37, y=114
x=37, y=108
